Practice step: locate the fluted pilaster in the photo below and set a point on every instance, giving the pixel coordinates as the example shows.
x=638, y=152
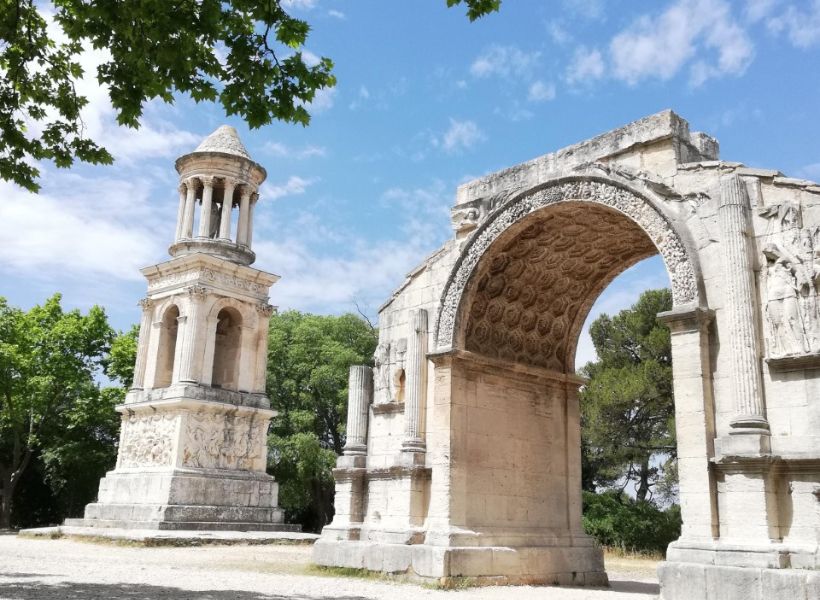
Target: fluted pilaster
x=416, y=383
x=359, y=397
x=189, y=369
x=740, y=305
x=142, y=344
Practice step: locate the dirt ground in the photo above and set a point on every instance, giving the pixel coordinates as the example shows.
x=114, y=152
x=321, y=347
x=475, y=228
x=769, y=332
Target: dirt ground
x=61, y=569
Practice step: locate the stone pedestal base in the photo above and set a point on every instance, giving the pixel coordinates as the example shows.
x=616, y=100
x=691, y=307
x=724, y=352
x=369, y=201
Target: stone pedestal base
x=720, y=571
x=483, y=565
x=186, y=499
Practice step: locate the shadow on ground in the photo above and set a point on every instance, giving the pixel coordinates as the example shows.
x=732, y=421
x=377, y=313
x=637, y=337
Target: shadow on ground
x=635, y=587
x=39, y=590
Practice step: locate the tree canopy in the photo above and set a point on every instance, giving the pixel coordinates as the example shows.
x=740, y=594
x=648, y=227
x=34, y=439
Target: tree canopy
x=627, y=407
x=245, y=54
x=52, y=410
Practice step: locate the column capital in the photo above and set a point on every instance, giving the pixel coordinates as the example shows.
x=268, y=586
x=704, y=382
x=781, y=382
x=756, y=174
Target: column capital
x=146, y=304
x=191, y=182
x=197, y=293
x=247, y=191
x=182, y=187
x=265, y=309
x=232, y=181
x=207, y=180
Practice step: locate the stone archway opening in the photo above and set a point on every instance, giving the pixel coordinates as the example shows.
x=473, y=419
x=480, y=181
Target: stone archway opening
x=169, y=327
x=529, y=281
x=227, y=346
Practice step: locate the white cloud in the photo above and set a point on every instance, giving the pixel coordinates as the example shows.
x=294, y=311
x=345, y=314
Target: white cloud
x=282, y=150
x=541, y=92
x=589, y=9
x=95, y=228
x=294, y=186
x=504, y=61
x=659, y=47
x=460, y=136
x=558, y=33
x=587, y=65
x=337, y=14
x=322, y=101
x=757, y=10
x=802, y=27
x=298, y=4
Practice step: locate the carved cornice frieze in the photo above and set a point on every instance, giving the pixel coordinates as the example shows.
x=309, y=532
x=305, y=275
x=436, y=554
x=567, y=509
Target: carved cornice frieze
x=207, y=276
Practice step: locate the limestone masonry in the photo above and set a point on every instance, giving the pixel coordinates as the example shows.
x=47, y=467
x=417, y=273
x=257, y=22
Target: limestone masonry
x=463, y=452
x=193, y=445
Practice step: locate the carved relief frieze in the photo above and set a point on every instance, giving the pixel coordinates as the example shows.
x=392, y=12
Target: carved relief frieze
x=217, y=440
x=207, y=275
x=147, y=440
x=791, y=255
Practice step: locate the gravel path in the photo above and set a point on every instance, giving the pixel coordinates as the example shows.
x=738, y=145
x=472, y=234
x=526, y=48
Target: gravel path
x=68, y=570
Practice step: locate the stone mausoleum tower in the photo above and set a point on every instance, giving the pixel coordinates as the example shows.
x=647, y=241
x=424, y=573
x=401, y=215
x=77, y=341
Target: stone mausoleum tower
x=193, y=451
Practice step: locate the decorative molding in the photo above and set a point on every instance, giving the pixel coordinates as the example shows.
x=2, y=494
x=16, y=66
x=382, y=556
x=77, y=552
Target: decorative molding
x=658, y=228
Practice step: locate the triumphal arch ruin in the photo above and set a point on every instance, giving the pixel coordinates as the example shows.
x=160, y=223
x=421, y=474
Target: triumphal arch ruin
x=463, y=449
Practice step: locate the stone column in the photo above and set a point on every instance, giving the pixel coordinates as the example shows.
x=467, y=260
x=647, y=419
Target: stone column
x=142, y=344
x=740, y=305
x=416, y=383
x=252, y=206
x=244, y=214
x=190, y=202
x=207, y=200
x=359, y=397
x=189, y=365
x=227, y=207
x=181, y=212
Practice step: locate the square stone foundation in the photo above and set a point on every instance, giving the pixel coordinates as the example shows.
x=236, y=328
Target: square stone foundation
x=580, y=565
x=186, y=499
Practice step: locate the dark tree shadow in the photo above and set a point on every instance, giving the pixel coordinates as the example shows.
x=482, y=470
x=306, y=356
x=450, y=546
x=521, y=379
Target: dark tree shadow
x=28, y=590
x=635, y=587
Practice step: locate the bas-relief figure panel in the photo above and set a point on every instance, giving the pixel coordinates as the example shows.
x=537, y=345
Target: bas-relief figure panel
x=791, y=256
x=214, y=440
x=147, y=440
x=388, y=371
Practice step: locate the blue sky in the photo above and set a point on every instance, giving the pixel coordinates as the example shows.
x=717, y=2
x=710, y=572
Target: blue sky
x=425, y=100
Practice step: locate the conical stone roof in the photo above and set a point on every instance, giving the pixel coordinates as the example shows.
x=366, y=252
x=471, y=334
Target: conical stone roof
x=225, y=140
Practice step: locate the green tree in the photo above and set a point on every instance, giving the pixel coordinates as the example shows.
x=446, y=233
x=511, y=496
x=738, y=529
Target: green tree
x=627, y=408
x=50, y=403
x=245, y=54
x=308, y=361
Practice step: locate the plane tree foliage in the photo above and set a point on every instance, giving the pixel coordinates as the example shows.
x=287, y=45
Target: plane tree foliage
x=58, y=427
x=246, y=55
x=627, y=408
